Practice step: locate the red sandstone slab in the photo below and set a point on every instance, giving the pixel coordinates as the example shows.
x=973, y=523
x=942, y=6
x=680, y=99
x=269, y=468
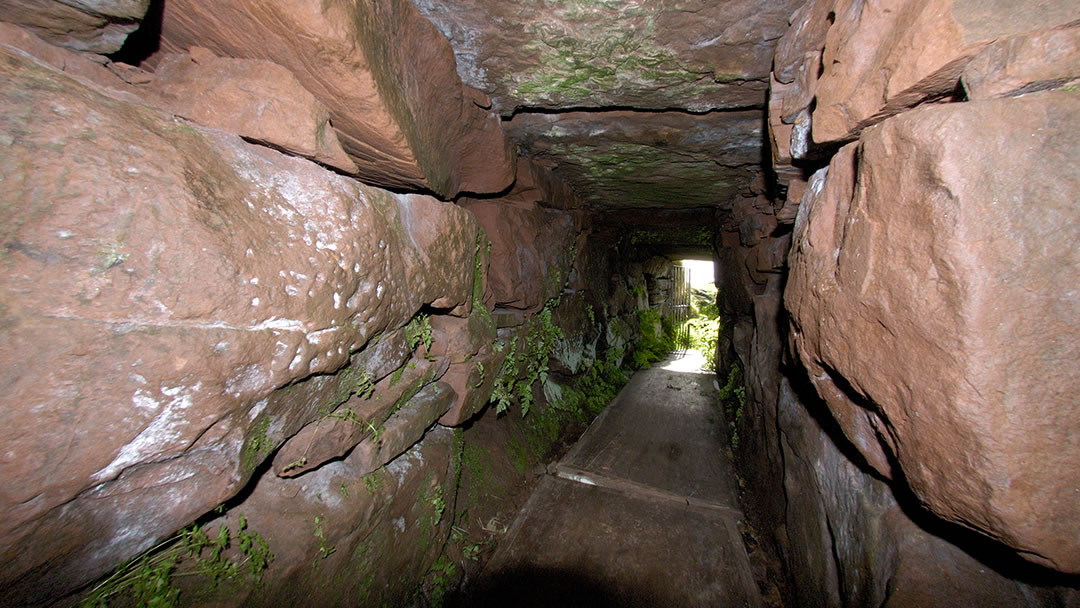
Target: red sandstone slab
x=386, y=76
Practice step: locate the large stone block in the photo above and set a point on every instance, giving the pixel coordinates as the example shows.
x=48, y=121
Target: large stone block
x=697, y=55
x=933, y=301
x=166, y=288
x=530, y=251
x=852, y=545
x=383, y=71
x=371, y=395
x=258, y=100
x=625, y=159
x=403, y=428
x=884, y=56
x=341, y=535
x=95, y=26
x=1046, y=59
x=806, y=34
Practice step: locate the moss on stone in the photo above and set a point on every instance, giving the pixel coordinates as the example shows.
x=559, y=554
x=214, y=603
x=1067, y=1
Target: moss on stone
x=640, y=173
x=257, y=446
x=596, y=47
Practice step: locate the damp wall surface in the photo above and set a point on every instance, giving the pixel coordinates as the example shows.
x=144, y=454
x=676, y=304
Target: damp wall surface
x=319, y=323
x=909, y=433
x=203, y=330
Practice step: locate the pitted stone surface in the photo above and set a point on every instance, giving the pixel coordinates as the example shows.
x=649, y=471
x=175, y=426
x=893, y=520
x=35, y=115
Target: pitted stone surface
x=166, y=280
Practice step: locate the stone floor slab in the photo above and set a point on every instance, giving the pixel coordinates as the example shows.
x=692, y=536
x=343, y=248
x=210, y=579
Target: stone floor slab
x=641, y=512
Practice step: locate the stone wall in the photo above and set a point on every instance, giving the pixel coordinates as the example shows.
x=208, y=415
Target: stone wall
x=209, y=321
x=321, y=328
x=908, y=380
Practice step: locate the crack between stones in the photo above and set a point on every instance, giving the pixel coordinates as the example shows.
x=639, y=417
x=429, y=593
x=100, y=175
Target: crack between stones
x=615, y=108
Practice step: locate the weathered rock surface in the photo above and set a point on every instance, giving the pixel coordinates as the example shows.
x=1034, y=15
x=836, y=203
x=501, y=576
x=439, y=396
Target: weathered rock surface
x=852, y=545
x=809, y=25
x=96, y=26
x=696, y=54
x=369, y=395
x=537, y=184
x=670, y=231
x=920, y=47
x=645, y=159
x=77, y=65
x=1047, y=59
x=933, y=301
x=167, y=282
x=474, y=364
x=258, y=100
x=531, y=251
x=404, y=427
x=385, y=74
x=347, y=535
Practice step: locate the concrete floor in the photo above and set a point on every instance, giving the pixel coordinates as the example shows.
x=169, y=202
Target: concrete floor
x=642, y=511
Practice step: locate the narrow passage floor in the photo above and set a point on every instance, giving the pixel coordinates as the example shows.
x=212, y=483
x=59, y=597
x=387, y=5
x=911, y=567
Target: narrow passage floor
x=642, y=511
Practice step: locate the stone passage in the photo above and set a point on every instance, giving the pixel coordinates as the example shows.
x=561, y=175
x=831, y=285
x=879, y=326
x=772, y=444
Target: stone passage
x=641, y=512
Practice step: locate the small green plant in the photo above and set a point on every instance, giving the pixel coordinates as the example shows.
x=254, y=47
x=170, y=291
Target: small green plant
x=372, y=482
x=365, y=385
x=480, y=373
x=504, y=384
x=147, y=580
x=325, y=550
x=728, y=390
x=523, y=369
x=438, y=505
x=347, y=415
x=733, y=396
x=652, y=347
x=396, y=376
x=701, y=334
x=418, y=332
x=256, y=446
x=471, y=551
x=443, y=572
x=296, y=464
x=539, y=342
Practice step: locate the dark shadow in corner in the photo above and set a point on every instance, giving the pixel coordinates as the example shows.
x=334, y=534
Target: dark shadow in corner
x=987, y=551
x=145, y=41
x=543, y=588
x=800, y=383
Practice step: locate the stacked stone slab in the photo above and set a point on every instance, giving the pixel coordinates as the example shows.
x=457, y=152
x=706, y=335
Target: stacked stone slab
x=931, y=271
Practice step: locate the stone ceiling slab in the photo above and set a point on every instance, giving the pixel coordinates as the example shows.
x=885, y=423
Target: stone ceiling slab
x=626, y=159
x=688, y=54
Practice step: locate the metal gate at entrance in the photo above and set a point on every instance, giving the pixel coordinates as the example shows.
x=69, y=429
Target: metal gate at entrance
x=680, y=309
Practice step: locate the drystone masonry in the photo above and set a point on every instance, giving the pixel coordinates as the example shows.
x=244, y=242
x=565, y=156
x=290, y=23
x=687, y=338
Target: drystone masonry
x=208, y=320
x=909, y=376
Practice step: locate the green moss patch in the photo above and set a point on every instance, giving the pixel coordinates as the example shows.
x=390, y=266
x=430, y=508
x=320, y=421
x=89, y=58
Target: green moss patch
x=596, y=47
